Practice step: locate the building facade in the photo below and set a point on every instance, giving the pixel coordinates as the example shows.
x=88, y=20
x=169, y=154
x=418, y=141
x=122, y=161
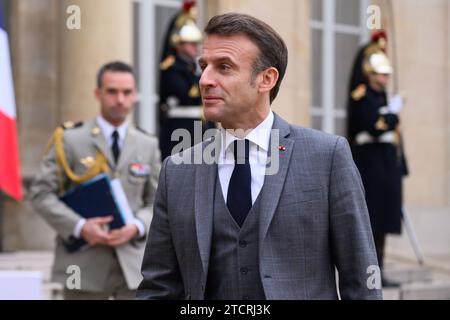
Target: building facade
x=54, y=69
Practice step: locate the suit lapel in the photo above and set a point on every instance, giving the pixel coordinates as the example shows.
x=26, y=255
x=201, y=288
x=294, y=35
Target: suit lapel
x=273, y=184
x=205, y=180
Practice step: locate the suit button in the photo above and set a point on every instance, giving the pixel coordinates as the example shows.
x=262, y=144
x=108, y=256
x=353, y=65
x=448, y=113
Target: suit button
x=244, y=271
x=242, y=243
x=245, y=298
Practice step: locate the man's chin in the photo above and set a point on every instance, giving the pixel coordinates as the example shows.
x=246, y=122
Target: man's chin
x=116, y=120
x=210, y=115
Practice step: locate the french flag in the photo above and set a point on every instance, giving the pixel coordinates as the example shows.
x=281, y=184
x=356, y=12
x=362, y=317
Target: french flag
x=10, y=180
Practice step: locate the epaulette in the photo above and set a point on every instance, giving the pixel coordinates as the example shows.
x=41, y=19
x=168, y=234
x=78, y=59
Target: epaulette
x=167, y=62
x=359, y=92
x=71, y=125
x=95, y=166
x=194, y=92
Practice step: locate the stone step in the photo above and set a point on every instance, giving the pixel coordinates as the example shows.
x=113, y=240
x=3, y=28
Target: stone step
x=391, y=294
x=21, y=285
x=52, y=291
x=28, y=261
x=425, y=291
x=409, y=274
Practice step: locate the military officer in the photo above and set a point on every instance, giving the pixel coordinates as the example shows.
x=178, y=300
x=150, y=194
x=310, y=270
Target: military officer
x=374, y=133
x=180, y=101
x=109, y=144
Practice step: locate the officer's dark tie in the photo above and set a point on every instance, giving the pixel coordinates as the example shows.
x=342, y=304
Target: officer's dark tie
x=239, y=197
x=115, y=146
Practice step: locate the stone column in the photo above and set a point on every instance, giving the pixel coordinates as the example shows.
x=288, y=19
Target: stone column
x=422, y=60
x=34, y=55
x=105, y=35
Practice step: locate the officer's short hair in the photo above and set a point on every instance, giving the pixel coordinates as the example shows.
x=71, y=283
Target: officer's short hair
x=115, y=66
x=272, y=49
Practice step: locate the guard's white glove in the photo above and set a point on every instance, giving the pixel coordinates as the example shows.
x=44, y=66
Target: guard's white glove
x=395, y=104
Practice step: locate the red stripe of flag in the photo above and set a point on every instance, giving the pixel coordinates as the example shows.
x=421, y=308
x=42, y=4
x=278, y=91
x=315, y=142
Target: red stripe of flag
x=10, y=180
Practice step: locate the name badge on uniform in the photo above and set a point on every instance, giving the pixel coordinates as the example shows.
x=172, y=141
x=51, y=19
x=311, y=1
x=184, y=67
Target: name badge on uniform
x=139, y=170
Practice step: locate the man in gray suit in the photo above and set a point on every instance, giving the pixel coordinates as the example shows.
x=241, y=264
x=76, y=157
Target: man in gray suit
x=109, y=267
x=232, y=230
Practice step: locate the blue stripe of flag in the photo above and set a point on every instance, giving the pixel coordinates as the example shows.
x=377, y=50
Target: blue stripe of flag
x=2, y=19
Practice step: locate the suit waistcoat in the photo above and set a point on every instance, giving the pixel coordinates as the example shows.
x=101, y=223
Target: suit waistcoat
x=234, y=261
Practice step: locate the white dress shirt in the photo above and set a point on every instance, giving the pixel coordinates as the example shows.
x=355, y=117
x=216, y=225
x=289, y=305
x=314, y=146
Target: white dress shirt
x=259, y=146
x=107, y=129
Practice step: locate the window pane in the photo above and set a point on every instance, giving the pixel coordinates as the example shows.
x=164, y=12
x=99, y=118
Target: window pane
x=347, y=12
x=5, y=7
x=316, y=9
x=317, y=122
x=340, y=126
x=316, y=68
x=163, y=17
x=346, y=48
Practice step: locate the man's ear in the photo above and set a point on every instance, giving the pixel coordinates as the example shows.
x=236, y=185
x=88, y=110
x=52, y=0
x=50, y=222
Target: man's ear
x=269, y=79
x=97, y=93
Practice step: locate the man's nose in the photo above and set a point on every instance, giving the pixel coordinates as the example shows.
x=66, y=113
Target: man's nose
x=207, y=78
x=120, y=98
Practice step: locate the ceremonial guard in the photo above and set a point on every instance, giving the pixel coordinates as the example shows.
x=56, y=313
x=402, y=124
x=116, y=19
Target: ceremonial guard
x=375, y=136
x=180, y=100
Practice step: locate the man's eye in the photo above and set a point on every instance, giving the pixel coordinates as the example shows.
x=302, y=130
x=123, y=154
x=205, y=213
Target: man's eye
x=225, y=66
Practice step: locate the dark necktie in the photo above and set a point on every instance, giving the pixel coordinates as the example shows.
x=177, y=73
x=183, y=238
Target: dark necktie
x=239, y=197
x=115, y=146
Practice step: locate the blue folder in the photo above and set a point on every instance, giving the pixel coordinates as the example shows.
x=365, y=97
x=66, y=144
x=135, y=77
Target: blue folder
x=91, y=199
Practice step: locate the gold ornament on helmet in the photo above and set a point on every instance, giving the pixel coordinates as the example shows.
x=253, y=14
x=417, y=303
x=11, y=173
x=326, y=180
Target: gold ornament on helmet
x=377, y=62
x=189, y=32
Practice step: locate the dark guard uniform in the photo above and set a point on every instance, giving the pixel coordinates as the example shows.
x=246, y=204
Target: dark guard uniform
x=374, y=134
x=375, y=140
x=180, y=101
x=179, y=91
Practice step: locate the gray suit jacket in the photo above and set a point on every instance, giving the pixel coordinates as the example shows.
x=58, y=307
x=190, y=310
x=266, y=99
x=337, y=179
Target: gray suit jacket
x=94, y=263
x=313, y=219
